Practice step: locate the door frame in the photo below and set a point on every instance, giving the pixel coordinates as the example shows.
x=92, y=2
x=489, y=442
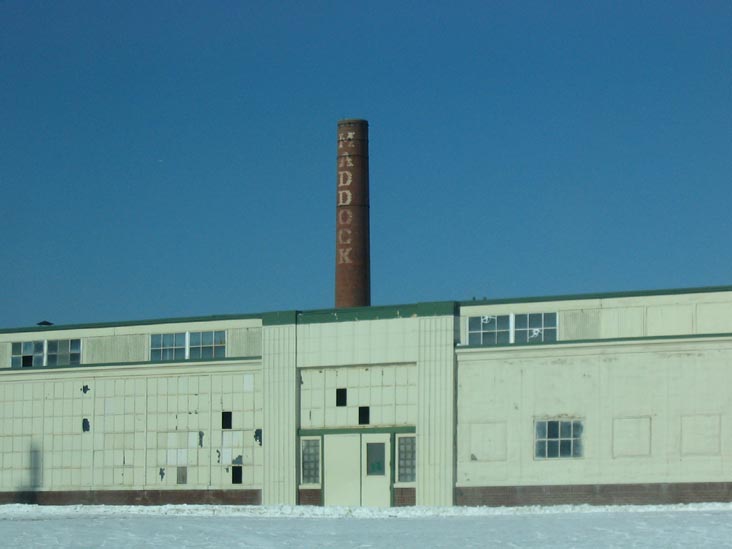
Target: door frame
x=393, y=431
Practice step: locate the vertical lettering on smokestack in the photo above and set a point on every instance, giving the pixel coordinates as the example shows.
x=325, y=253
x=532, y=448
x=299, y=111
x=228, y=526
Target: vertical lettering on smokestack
x=353, y=265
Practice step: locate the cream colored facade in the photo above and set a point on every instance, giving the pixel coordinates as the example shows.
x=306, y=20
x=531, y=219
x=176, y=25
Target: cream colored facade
x=582, y=398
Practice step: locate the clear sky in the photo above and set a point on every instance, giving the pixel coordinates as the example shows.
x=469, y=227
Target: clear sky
x=168, y=158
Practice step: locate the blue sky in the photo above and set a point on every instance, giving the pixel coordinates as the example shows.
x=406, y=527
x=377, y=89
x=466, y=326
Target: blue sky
x=178, y=158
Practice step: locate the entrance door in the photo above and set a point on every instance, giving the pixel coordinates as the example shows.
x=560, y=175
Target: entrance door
x=342, y=470
x=357, y=470
x=376, y=470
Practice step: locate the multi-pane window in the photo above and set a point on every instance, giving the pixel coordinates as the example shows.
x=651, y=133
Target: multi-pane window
x=54, y=352
x=535, y=328
x=188, y=346
x=555, y=438
x=520, y=329
x=168, y=346
x=207, y=344
x=407, y=459
x=310, y=461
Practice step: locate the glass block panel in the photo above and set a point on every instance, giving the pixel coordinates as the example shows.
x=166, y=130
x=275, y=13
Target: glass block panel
x=407, y=471
x=311, y=462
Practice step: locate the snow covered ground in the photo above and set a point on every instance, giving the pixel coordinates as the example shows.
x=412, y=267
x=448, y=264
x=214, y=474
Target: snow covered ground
x=688, y=526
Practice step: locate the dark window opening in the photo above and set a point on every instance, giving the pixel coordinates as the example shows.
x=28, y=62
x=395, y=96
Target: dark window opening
x=341, y=397
x=85, y=426
x=226, y=420
x=27, y=361
x=182, y=475
x=363, y=415
x=236, y=474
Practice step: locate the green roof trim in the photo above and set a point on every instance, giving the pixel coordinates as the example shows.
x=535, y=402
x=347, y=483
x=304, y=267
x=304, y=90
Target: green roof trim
x=280, y=318
x=149, y=322
x=323, y=316
x=607, y=295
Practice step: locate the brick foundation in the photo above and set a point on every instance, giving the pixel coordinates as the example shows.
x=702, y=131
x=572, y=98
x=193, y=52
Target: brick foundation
x=135, y=497
x=405, y=497
x=309, y=497
x=595, y=494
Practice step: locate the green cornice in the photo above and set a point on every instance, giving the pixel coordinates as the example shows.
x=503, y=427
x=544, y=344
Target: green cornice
x=279, y=318
x=607, y=295
x=180, y=320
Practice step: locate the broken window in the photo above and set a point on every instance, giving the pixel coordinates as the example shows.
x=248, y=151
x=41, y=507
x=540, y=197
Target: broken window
x=236, y=474
x=341, y=397
x=182, y=475
x=53, y=352
x=555, y=438
x=226, y=420
x=363, y=415
x=520, y=329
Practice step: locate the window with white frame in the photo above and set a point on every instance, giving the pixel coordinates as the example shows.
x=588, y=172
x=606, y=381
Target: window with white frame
x=406, y=458
x=52, y=352
x=188, y=346
x=520, y=329
x=558, y=438
x=310, y=464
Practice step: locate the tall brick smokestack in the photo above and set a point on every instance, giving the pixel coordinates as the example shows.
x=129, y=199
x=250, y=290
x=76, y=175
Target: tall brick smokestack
x=353, y=260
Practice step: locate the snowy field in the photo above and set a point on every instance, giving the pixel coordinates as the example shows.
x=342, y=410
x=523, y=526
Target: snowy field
x=688, y=526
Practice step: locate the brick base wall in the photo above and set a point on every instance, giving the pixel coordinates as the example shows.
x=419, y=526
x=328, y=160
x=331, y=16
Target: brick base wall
x=595, y=494
x=135, y=497
x=405, y=497
x=309, y=497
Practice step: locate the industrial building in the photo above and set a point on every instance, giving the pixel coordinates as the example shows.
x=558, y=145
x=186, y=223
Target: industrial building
x=606, y=398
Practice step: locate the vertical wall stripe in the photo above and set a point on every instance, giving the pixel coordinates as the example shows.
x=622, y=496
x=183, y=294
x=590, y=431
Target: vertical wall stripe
x=435, y=411
x=279, y=434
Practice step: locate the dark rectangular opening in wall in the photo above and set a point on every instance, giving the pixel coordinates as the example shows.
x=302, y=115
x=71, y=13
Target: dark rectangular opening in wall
x=182, y=475
x=226, y=420
x=363, y=415
x=236, y=474
x=341, y=397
